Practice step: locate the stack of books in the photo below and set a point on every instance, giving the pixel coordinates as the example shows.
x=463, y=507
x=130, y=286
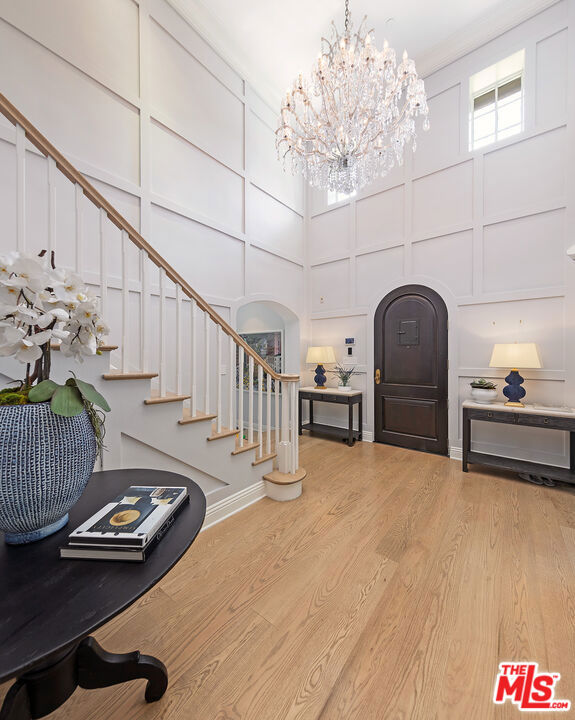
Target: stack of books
x=129, y=527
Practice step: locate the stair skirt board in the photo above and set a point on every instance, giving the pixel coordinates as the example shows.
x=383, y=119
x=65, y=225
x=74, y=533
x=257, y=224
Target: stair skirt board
x=234, y=503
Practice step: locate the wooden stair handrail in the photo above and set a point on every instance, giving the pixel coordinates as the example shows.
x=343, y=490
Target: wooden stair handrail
x=66, y=167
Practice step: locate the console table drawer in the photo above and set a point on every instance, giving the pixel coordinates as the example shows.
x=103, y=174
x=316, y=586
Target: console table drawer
x=557, y=423
x=492, y=416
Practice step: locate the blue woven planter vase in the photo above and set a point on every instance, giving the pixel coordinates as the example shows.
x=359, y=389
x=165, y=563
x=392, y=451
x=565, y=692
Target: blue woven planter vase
x=45, y=463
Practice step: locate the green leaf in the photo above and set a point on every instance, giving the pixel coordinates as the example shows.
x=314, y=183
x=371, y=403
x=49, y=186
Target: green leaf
x=90, y=394
x=67, y=401
x=43, y=391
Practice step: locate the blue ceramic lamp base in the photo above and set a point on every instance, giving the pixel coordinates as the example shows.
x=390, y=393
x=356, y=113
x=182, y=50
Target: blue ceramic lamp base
x=320, y=377
x=513, y=390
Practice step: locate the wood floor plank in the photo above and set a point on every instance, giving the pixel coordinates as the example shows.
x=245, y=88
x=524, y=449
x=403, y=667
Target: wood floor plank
x=390, y=590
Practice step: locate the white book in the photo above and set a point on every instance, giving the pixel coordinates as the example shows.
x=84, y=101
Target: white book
x=131, y=519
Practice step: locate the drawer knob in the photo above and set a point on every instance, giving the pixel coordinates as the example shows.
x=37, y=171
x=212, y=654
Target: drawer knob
x=489, y=414
x=546, y=420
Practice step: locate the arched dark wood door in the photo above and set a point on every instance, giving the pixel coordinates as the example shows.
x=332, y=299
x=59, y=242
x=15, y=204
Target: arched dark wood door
x=410, y=384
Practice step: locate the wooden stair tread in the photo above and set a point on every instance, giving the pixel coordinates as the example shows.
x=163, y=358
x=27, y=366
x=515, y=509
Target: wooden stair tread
x=157, y=399
x=264, y=458
x=224, y=433
x=199, y=417
x=279, y=478
x=247, y=446
x=129, y=376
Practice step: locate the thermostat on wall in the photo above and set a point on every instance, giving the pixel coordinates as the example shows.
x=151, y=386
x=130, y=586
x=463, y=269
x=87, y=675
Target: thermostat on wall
x=350, y=341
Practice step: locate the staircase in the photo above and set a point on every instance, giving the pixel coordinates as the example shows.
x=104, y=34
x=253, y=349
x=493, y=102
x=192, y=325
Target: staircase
x=187, y=393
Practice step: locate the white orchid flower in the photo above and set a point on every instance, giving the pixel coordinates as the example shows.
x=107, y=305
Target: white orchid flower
x=28, y=272
x=28, y=352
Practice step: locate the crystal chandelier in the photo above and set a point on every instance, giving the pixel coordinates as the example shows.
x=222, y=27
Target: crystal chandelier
x=350, y=122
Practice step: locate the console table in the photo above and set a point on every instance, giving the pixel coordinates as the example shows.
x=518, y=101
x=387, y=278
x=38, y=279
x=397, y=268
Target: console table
x=332, y=395
x=527, y=416
x=49, y=606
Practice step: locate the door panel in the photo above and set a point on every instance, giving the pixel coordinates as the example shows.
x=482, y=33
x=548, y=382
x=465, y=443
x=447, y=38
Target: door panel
x=411, y=352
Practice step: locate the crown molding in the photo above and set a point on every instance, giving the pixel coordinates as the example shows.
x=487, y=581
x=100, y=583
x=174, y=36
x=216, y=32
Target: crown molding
x=486, y=28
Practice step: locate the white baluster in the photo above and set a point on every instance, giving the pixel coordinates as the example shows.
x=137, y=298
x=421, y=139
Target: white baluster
x=52, y=173
x=206, y=363
x=231, y=380
x=293, y=413
x=178, y=340
x=145, y=312
x=241, y=397
x=79, y=194
x=162, y=332
x=260, y=410
x=269, y=413
x=251, y=400
x=218, y=379
x=277, y=416
x=125, y=301
x=193, y=367
x=20, y=188
x=103, y=266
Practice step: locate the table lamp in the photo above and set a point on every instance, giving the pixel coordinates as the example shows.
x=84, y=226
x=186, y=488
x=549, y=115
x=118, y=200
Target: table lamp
x=318, y=356
x=515, y=355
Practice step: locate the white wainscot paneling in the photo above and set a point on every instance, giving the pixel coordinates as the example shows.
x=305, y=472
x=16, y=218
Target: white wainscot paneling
x=552, y=69
x=100, y=38
x=274, y=224
x=193, y=100
x=194, y=180
x=77, y=114
x=377, y=273
x=449, y=259
x=330, y=286
x=537, y=320
x=333, y=331
x=209, y=260
x=525, y=253
x=8, y=210
x=36, y=203
x=379, y=219
x=271, y=275
x=443, y=199
x=525, y=175
x=439, y=146
x=329, y=233
x=266, y=170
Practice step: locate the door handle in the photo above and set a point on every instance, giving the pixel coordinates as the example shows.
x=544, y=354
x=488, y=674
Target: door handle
x=377, y=376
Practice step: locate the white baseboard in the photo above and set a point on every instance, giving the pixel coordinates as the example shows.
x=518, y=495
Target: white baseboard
x=367, y=436
x=455, y=453
x=234, y=503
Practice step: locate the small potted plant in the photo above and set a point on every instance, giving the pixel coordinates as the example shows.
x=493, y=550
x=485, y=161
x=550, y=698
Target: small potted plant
x=50, y=434
x=344, y=375
x=483, y=391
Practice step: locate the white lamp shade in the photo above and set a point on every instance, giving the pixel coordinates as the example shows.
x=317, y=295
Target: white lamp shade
x=515, y=355
x=320, y=354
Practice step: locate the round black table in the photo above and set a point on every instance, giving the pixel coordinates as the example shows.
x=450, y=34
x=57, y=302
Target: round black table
x=49, y=606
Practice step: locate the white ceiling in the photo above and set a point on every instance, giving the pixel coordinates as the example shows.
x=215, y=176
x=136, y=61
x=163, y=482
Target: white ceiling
x=271, y=41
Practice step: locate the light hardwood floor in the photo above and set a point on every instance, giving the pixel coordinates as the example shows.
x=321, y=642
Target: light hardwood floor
x=390, y=590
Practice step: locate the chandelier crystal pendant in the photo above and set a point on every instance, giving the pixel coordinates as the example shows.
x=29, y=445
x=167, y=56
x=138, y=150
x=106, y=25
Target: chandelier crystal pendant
x=351, y=121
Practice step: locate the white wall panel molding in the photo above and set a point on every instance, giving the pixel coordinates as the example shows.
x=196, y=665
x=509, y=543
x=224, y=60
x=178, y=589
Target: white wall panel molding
x=494, y=373
x=123, y=94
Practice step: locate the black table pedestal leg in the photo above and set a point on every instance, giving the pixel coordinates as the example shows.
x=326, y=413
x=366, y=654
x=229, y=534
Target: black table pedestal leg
x=87, y=665
x=98, y=668
x=16, y=703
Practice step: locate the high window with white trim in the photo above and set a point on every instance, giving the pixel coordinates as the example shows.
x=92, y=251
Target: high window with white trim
x=496, y=99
